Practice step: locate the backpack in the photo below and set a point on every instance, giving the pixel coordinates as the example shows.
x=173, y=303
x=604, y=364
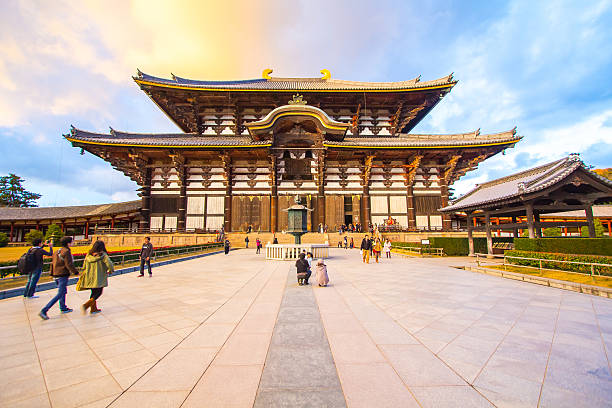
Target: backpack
x=27, y=262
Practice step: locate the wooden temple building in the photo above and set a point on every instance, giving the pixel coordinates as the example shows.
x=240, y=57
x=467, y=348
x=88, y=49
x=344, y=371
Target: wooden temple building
x=248, y=147
x=532, y=199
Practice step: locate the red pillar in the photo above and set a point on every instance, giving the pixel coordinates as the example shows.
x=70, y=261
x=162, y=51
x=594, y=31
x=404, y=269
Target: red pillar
x=610, y=228
x=87, y=229
x=112, y=222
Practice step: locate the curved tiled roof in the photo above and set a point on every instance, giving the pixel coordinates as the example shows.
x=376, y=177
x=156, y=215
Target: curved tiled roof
x=186, y=140
x=519, y=184
x=293, y=84
x=80, y=211
x=162, y=139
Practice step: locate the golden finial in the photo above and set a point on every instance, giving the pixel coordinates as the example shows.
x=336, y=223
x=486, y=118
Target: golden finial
x=326, y=74
x=297, y=100
x=266, y=73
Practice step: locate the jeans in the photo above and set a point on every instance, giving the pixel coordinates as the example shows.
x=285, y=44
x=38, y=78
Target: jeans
x=32, y=282
x=61, y=283
x=142, y=265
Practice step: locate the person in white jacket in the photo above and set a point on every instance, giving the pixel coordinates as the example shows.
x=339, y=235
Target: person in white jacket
x=387, y=248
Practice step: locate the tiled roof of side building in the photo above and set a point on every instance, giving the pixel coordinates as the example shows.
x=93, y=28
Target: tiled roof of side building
x=54, y=213
x=294, y=84
x=525, y=182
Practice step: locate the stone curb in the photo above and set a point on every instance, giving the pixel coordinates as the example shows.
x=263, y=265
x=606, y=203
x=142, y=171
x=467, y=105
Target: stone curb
x=539, y=280
x=5, y=294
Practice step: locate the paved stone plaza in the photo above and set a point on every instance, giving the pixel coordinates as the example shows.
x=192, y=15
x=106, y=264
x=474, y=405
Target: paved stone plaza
x=237, y=331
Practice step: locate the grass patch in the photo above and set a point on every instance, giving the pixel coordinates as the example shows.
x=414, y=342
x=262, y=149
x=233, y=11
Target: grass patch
x=20, y=281
x=602, y=281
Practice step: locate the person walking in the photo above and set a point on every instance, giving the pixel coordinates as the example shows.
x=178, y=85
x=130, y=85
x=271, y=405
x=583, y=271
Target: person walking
x=352, y=243
x=246, y=241
x=303, y=272
x=366, y=247
x=377, y=249
x=97, y=267
x=62, y=266
x=258, y=245
x=226, y=246
x=146, y=252
x=345, y=242
x=387, y=248
x=36, y=252
x=321, y=273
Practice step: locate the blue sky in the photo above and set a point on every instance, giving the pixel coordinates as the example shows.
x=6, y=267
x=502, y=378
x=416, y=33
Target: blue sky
x=542, y=66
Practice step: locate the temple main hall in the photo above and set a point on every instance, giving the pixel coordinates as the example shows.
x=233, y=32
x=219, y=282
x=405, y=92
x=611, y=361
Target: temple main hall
x=247, y=148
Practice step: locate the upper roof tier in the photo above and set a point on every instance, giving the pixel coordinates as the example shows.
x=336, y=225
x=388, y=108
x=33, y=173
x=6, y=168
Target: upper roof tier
x=294, y=84
x=191, y=103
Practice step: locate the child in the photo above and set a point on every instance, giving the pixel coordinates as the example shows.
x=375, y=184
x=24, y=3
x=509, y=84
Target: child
x=321, y=273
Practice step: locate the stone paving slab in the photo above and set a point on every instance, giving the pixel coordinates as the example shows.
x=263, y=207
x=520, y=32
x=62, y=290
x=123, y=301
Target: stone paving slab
x=222, y=331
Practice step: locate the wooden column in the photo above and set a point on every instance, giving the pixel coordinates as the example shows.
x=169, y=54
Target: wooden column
x=145, y=198
x=273, y=194
x=488, y=230
x=366, y=171
x=320, y=189
x=515, y=231
x=588, y=209
x=538, y=229
x=178, y=161
x=410, y=174
x=227, y=202
x=86, y=229
x=470, y=236
x=411, y=212
x=13, y=226
x=446, y=221
x=530, y=220
x=610, y=228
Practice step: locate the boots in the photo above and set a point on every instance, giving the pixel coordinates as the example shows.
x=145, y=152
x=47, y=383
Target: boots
x=87, y=305
x=94, y=308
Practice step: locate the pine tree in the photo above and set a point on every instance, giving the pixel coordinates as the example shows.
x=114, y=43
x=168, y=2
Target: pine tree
x=13, y=194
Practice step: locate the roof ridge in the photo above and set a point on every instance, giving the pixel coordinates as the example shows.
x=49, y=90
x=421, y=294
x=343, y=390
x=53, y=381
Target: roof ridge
x=523, y=173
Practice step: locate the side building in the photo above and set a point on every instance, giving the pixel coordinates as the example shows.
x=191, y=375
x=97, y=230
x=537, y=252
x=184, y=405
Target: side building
x=248, y=147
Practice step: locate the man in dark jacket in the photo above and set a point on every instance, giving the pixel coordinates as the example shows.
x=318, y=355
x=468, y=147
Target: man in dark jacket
x=146, y=252
x=303, y=270
x=62, y=266
x=34, y=274
x=366, y=247
x=246, y=242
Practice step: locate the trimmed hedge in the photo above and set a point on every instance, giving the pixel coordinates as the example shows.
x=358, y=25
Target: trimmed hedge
x=581, y=267
x=584, y=246
x=456, y=246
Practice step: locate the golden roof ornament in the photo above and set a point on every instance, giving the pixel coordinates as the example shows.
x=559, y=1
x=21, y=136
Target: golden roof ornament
x=266, y=73
x=297, y=100
x=326, y=74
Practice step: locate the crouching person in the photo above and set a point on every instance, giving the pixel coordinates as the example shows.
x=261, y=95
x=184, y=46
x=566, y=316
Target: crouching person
x=321, y=273
x=303, y=270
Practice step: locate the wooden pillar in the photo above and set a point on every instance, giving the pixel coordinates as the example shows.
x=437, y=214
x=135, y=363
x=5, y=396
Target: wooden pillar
x=181, y=221
x=589, y=216
x=530, y=220
x=446, y=221
x=411, y=212
x=538, y=229
x=273, y=194
x=489, y=237
x=365, y=180
x=470, y=236
x=610, y=228
x=112, y=222
x=515, y=231
x=320, y=189
x=87, y=229
x=145, y=197
x=13, y=226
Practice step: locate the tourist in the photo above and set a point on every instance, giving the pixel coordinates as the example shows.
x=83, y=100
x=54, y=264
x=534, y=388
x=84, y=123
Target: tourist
x=352, y=243
x=309, y=259
x=246, y=242
x=226, y=246
x=275, y=241
x=377, y=248
x=366, y=247
x=36, y=253
x=145, y=256
x=258, y=245
x=303, y=272
x=321, y=273
x=62, y=266
x=97, y=267
x=387, y=248
x=345, y=242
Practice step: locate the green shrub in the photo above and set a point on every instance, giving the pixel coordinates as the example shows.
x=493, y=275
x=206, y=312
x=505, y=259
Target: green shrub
x=599, y=229
x=577, y=267
x=456, y=246
x=552, y=232
x=30, y=236
x=586, y=246
x=3, y=239
x=54, y=234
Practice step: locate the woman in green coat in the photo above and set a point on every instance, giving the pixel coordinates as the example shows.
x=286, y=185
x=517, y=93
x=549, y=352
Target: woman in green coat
x=97, y=267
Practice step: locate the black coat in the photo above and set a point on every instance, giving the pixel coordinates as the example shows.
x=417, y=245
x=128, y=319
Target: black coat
x=302, y=266
x=366, y=244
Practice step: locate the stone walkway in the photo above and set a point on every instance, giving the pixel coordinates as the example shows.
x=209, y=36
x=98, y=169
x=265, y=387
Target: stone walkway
x=236, y=331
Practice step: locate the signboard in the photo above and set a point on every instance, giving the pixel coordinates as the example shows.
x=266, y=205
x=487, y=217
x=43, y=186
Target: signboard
x=424, y=242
